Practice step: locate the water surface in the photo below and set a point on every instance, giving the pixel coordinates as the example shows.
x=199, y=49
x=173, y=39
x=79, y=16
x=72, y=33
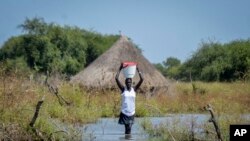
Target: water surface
x=108, y=129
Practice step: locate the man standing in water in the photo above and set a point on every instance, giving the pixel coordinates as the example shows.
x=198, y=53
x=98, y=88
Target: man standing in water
x=128, y=100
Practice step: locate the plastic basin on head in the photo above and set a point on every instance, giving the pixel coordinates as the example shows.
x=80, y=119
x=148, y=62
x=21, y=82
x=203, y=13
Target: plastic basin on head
x=129, y=69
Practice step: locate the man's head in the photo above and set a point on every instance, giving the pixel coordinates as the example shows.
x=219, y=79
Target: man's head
x=128, y=83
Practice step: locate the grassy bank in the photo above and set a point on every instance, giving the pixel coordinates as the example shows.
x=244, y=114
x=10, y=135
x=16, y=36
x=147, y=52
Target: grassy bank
x=19, y=96
x=226, y=98
x=230, y=102
x=191, y=129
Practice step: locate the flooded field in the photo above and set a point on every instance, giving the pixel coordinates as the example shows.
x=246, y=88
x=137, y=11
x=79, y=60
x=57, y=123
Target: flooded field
x=108, y=129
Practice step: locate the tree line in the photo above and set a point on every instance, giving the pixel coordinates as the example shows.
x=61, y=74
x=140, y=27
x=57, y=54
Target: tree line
x=213, y=61
x=48, y=47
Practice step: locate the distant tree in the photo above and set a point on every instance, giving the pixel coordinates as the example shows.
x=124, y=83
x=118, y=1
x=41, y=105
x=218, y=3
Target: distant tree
x=174, y=72
x=171, y=62
x=12, y=48
x=34, y=26
x=161, y=68
x=50, y=47
x=238, y=54
x=171, y=67
x=213, y=61
x=218, y=62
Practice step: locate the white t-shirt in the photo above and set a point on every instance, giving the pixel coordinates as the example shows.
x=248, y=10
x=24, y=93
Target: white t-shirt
x=128, y=102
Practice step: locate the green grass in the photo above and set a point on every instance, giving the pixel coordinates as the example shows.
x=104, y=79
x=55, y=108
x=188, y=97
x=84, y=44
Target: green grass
x=163, y=132
x=173, y=131
x=19, y=96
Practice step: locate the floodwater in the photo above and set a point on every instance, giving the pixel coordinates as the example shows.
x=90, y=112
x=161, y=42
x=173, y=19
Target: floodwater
x=108, y=129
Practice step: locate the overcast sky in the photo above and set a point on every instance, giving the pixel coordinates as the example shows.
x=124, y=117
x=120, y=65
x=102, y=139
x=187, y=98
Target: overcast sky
x=161, y=28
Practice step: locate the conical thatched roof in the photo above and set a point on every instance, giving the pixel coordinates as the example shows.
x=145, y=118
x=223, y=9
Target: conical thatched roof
x=101, y=72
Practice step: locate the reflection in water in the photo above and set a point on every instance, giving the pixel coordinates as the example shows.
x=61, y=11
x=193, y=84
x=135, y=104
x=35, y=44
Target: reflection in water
x=126, y=137
x=108, y=129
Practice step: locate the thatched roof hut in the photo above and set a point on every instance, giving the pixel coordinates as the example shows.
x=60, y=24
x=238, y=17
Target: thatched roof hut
x=101, y=72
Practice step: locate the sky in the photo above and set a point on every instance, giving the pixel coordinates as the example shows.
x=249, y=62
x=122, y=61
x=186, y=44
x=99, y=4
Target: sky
x=161, y=28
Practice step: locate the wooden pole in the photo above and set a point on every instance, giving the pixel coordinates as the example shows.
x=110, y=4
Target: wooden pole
x=38, y=106
x=214, y=121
